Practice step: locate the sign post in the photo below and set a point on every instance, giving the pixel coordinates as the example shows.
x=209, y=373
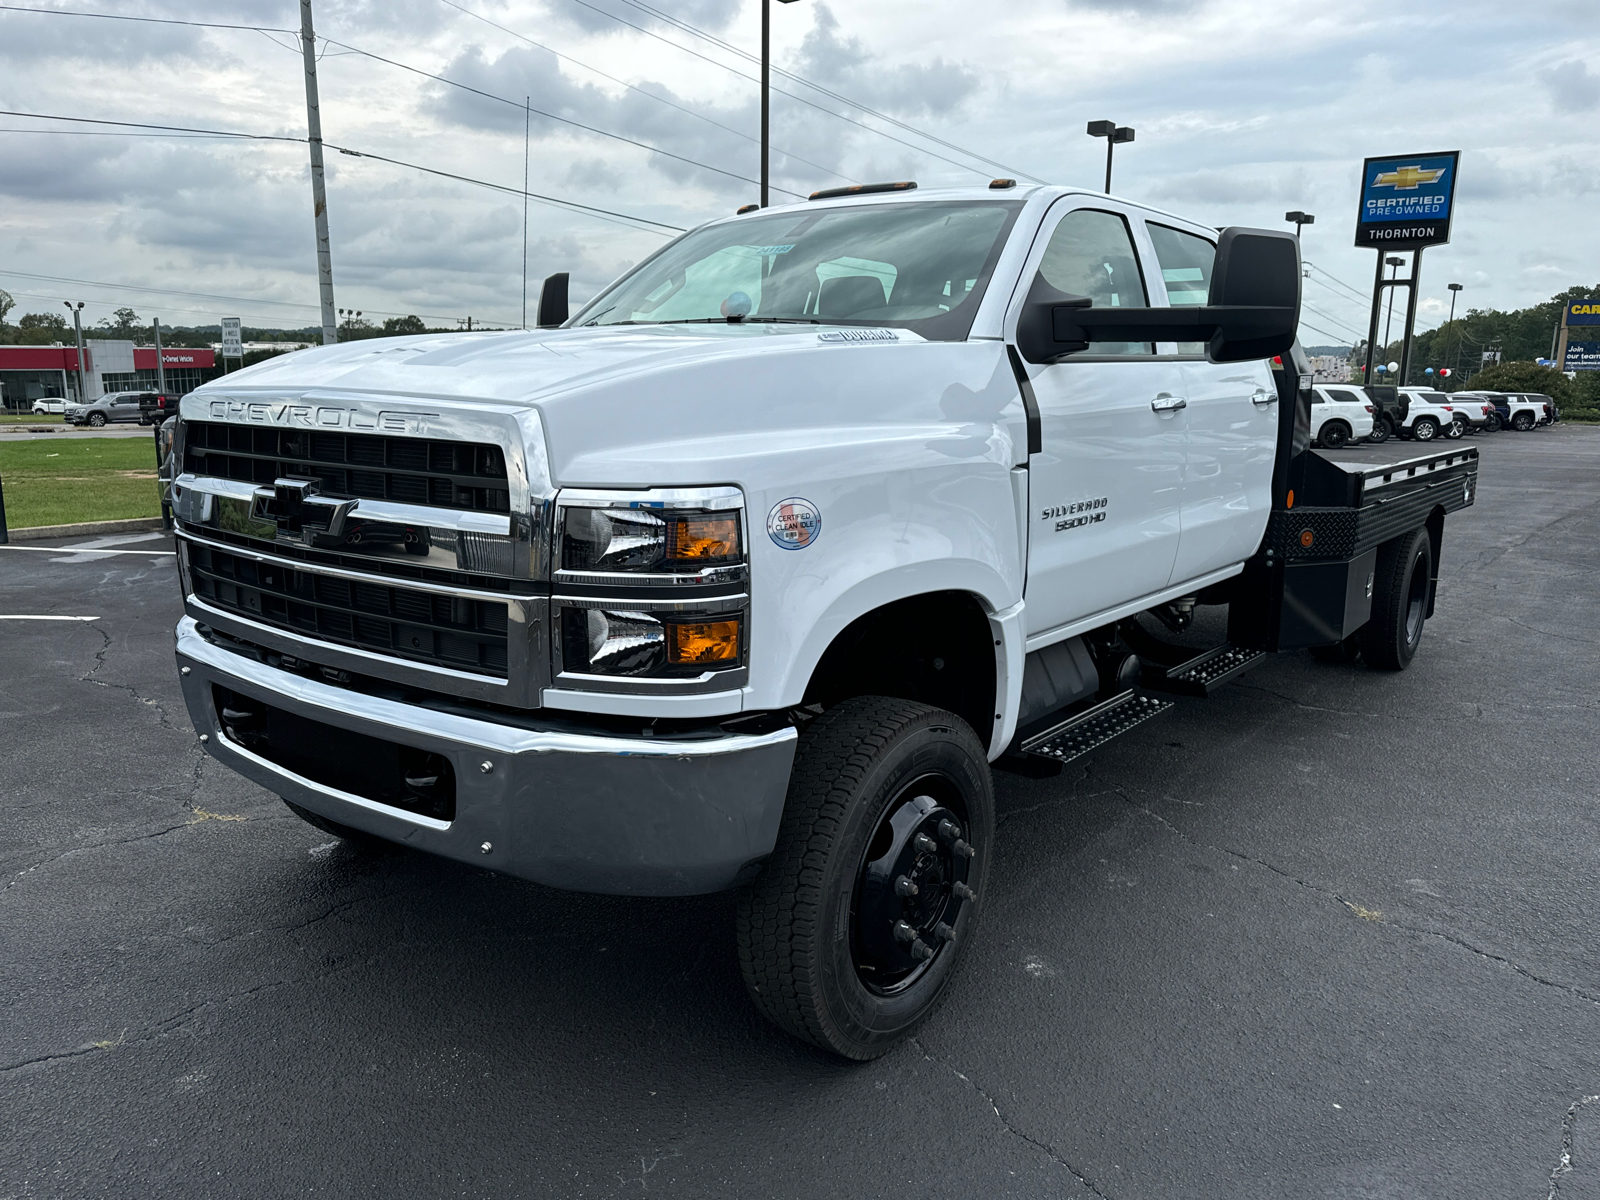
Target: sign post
x=1581, y=355
x=232, y=340
x=1406, y=203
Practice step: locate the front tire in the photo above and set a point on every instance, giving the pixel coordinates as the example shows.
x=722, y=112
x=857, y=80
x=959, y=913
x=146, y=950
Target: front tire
x=1401, y=580
x=854, y=928
x=96, y=420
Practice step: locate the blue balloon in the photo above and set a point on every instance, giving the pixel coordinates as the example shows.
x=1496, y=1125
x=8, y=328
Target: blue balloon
x=1429, y=371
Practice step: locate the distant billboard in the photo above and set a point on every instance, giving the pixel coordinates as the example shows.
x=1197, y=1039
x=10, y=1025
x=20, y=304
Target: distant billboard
x=1583, y=312
x=1406, y=200
x=1582, y=356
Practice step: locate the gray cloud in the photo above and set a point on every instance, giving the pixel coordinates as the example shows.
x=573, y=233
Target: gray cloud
x=1572, y=88
x=846, y=65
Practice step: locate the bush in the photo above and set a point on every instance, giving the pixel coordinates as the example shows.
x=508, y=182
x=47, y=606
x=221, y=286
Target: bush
x=1526, y=377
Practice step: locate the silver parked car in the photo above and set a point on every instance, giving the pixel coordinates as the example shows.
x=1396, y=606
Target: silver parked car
x=114, y=406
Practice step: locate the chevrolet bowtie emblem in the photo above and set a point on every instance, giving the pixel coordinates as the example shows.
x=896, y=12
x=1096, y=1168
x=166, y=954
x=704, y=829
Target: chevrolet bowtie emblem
x=299, y=511
x=1407, y=179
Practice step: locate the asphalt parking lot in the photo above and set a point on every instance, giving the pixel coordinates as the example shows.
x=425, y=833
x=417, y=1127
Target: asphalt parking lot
x=1327, y=934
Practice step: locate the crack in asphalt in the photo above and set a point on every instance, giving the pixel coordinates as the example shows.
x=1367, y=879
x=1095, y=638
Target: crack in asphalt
x=1365, y=914
x=148, y=702
x=1563, y=1166
x=1007, y=1125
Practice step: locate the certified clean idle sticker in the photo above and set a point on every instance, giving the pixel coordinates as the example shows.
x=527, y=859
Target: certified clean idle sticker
x=794, y=523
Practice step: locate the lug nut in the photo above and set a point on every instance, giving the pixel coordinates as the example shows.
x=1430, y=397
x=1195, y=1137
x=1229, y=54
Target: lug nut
x=944, y=932
x=924, y=843
x=949, y=830
x=921, y=951
x=903, y=932
x=963, y=849
x=960, y=889
x=903, y=886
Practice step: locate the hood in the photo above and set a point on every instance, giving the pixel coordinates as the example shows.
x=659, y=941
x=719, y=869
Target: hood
x=522, y=368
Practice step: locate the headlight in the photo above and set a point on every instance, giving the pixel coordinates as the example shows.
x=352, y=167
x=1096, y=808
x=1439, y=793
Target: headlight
x=642, y=539
x=650, y=590
x=659, y=644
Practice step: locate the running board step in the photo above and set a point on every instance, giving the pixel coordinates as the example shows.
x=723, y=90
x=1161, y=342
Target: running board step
x=1203, y=674
x=1094, y=727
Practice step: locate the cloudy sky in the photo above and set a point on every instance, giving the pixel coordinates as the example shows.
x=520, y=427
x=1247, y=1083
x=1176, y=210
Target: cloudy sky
x=1243, y=110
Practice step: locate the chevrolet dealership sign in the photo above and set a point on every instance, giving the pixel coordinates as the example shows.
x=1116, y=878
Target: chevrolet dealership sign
x=1406, y=201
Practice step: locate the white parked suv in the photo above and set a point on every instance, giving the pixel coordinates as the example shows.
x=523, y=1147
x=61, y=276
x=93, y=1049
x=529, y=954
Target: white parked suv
x=1429, y=415
x=743, y=577
x=1339, y=415
x=49, y=404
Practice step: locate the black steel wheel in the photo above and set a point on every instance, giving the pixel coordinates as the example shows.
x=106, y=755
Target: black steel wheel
x=1381, y=431
x=854, y=928
x=1401, y=581
x=1333, y=434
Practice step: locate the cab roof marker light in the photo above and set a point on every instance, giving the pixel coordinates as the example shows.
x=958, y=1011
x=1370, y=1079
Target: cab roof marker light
x=862, y=189
x=1000, y=185
x=740, y=211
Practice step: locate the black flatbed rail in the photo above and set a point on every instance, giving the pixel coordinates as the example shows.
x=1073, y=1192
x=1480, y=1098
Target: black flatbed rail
x=1345, y=506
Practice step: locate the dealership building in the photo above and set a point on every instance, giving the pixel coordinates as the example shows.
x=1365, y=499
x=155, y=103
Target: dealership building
x=29, y=373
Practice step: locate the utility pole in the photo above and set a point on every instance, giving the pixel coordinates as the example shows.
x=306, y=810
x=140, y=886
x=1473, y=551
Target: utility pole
x=526, y=128
x=161, y=367
x=1455, y=358
x=1393, y=263
x=766, y=88
x=319, y=190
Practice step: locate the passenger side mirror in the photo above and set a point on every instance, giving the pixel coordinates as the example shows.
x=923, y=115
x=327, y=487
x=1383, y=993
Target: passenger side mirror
x=1253, y=309
x=553, y=301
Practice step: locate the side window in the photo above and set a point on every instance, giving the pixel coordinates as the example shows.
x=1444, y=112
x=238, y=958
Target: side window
x=1346, y=397
x=1091, y=254
x=1186, y=262
x=1317, y=397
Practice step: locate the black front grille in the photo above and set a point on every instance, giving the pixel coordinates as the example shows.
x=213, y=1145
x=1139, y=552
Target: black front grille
x=446, y=631
x=364, y=466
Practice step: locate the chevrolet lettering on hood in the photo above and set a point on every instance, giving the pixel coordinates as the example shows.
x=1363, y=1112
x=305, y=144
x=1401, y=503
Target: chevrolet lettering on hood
x=317, y=416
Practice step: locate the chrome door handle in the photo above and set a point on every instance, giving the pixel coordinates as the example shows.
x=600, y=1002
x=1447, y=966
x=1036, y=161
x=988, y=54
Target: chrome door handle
x=1167, y=402
x=1264, y=398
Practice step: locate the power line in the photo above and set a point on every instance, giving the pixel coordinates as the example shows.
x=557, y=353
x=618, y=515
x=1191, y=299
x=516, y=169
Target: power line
x=833, y=95
x=604, y=214
x=635, y=88
x=548, y=115
x=1331, y=319
x=69, y=12
x=800, y=99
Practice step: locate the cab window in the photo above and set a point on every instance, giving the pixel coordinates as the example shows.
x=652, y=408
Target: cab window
x=1185, y=262
x=1091, y=254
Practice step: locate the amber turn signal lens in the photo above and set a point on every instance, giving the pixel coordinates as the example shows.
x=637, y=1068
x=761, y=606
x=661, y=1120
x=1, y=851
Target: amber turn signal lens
x=703, y=642
x=705, y=537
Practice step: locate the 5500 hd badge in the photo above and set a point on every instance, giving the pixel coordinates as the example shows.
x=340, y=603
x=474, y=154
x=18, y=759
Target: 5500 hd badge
x=1077, y=514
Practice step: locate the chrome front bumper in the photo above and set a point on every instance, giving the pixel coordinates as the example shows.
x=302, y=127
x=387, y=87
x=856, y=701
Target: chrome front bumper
x=590, y=812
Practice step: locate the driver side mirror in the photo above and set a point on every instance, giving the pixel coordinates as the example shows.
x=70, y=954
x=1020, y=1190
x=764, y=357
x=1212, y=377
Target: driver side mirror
x=1252, y=311
x=552, y=309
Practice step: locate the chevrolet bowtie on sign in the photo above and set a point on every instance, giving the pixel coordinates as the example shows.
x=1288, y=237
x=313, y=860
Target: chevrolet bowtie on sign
x=1406, y=201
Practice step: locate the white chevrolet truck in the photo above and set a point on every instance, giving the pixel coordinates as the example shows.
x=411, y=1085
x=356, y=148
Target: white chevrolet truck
x=745, y=575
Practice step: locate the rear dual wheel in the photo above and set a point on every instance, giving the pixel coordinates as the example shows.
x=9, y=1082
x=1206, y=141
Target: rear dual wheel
x=854, y=928
x=1400, y=582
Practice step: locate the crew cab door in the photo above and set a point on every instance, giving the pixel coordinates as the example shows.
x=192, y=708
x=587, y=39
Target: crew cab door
x=1106, y=487
x=1233, y=424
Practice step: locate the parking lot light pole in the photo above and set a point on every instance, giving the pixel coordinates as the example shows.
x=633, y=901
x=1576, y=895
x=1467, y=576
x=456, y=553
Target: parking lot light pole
x=1299, y=218
x=1393, y=262
x=1114, y=134
x=766, y=88
x=77, y=325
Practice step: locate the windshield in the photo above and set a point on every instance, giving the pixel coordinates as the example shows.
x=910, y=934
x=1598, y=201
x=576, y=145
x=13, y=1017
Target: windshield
x=918, y=266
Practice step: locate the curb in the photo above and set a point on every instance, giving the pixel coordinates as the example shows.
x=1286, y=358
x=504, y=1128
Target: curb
x=84, y=529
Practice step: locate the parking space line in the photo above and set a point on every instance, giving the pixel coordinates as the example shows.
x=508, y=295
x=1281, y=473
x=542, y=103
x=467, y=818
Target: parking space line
x=77, y=550
x=42, y=617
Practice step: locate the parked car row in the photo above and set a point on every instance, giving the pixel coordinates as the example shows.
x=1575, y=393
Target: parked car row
x=1343, y=414
x=145, y=408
